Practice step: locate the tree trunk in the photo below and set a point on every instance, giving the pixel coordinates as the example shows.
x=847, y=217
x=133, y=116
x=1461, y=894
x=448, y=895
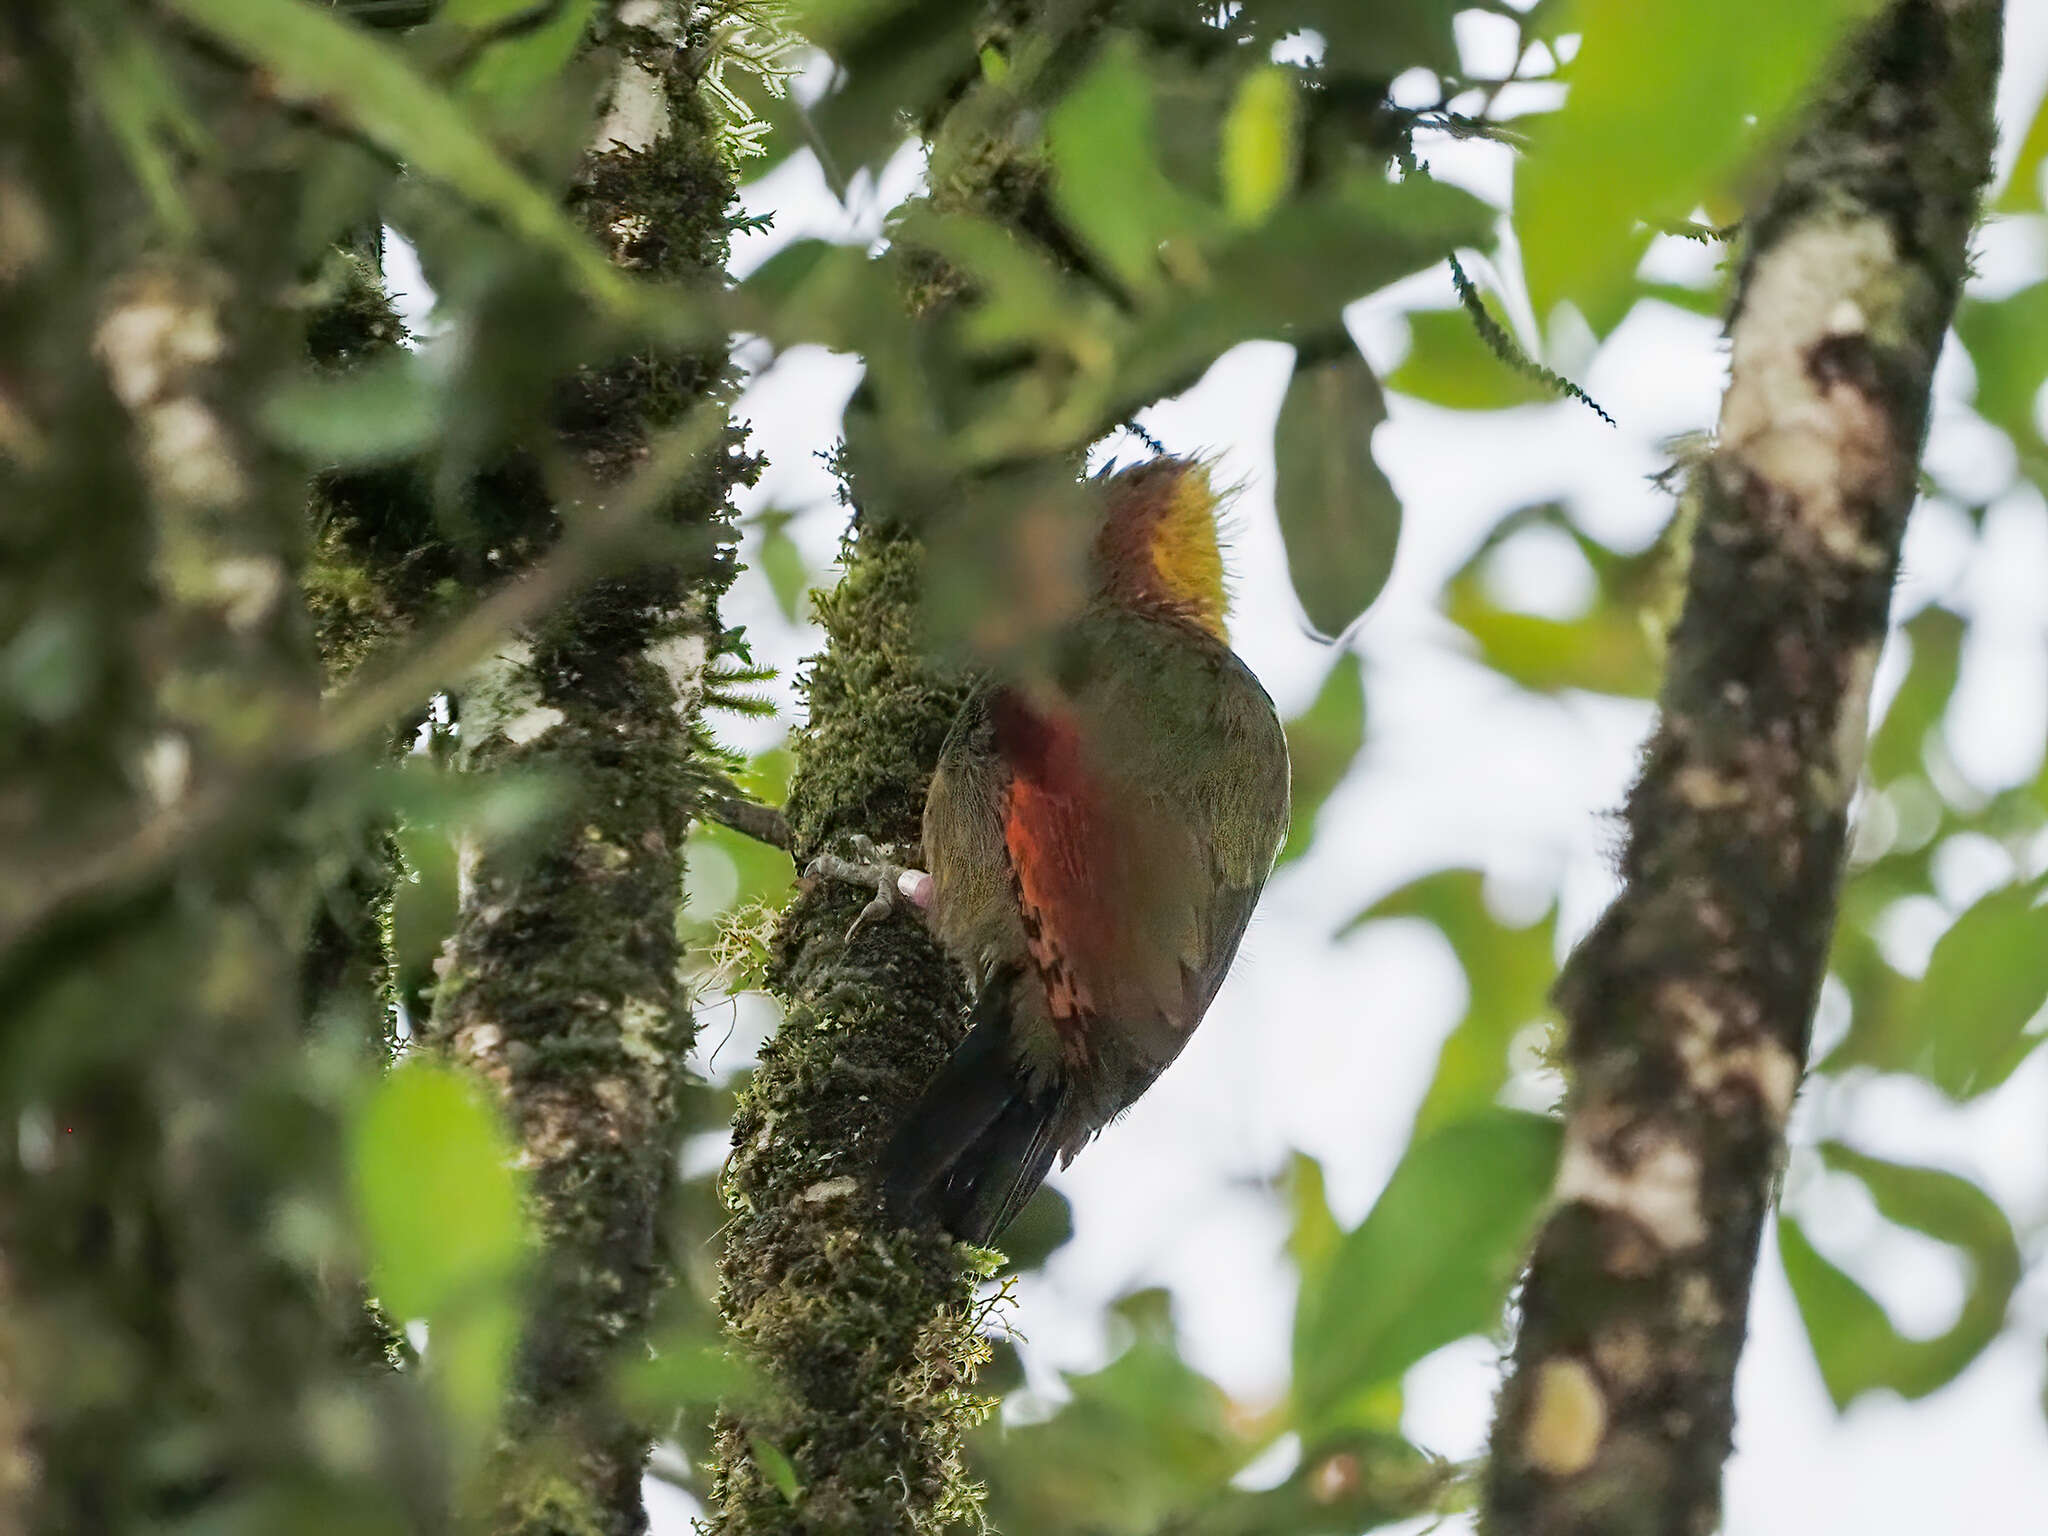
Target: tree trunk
x=561, y=983
x=1689, y=1004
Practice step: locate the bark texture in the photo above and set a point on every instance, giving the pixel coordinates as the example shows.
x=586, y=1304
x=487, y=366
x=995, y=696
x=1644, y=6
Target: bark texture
x=1690, y=1003
x=864, y=1331
x=561, y=982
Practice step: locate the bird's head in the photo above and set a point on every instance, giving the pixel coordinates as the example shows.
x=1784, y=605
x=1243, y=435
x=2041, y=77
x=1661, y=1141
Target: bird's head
x=1158, y=550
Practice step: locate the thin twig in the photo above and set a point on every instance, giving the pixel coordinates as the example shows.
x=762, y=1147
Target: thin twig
x=749, y=818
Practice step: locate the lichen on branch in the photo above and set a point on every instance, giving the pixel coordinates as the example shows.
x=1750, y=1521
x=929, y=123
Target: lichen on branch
x=1690, y=1003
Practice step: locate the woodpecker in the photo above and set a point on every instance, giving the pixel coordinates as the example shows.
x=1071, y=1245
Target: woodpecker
x=1097, y=832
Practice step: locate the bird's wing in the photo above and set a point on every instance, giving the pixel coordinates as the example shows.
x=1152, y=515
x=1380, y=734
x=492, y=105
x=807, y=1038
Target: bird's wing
x=1062, y=834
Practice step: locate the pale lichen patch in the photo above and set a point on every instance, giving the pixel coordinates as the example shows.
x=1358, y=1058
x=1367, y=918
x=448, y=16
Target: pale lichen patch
x=155, y=340
x=638, y=115
x=1624, y=1353
x=682, y=659
x=1819, y=445
x=1659, y=1190
x=1705, y=790
x=1713, y=1061
x=829, y=1189
x=1852, y=722
x=1567, y=1419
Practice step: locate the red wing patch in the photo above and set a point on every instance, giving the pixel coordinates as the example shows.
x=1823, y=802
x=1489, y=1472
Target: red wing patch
x=1059, y=838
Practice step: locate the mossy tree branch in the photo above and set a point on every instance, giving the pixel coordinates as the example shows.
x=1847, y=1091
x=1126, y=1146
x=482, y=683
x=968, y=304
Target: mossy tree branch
x=865, y=1331
x=1690, y=1003
x=560, y=983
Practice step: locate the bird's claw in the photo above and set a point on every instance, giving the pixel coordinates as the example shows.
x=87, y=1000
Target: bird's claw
x=896, y=886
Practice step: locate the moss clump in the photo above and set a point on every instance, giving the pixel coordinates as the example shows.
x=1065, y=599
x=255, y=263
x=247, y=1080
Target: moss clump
x=865, y=1330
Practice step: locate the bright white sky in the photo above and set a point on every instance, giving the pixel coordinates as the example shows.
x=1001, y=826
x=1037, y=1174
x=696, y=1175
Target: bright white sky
x=1326, y=1047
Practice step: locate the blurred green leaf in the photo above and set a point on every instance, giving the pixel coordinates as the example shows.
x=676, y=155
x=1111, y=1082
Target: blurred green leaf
x=1349, y=1484
x=684, y=1369
x=441, y=1209
x=815, y=291
x=1292, y=276
x=2022, y=193
x=2007, y=340
x=899, y=58
x=1322, y=743
x=782, y=563
x=1339, y=515
x=1709, y=301
x=1449, y=364
x=516, y=67
x=385, y=409
x=776, y=1467
x=1613, y=647
x=1139, y=1441
x=1853, y=1340
x=1312, y=1233
x=1120, y=205
x=310, y=54
x=1896, y=746
x=1987, y=978
x=1431, y=1262
x=1259, y=145
x=145, y=107
x=1508, y=973
x=1665, y=103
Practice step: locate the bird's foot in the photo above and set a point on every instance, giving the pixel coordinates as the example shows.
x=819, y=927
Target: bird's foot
x=896, y=886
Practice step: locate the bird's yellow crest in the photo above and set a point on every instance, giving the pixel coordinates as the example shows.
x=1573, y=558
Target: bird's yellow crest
x=1159, y=546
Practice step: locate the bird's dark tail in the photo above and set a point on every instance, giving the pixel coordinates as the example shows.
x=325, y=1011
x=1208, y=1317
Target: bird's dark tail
x=979, y=1140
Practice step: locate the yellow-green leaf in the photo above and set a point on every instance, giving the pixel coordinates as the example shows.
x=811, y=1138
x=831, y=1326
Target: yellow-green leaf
x=1259, y=145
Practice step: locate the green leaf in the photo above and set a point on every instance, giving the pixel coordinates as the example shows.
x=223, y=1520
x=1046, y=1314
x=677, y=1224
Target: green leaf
x=2022, y=192
x=1322, y=743
x=1936, y=635
x=443, y=1221
x=1986, y=980
x=1603, y=652
x=1292, y=276
x=382, y=410
x=1139, y=1440
x=818, y=292
x=311, y=55
x=436, y=1190
x=1449, y=364
x=1856, y=1346
x=899, y=58
x=1508, y=973
x=151, y=120
x=1666, y=102
x=516, y=67
x=782, y=563
x=776, y=1467
x=2007, y=340
x=1615, y=646
x=1339, y=515
x=1107, y=182
x=1259, y=145
x=1431, y=1263
x=1313, y=1234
